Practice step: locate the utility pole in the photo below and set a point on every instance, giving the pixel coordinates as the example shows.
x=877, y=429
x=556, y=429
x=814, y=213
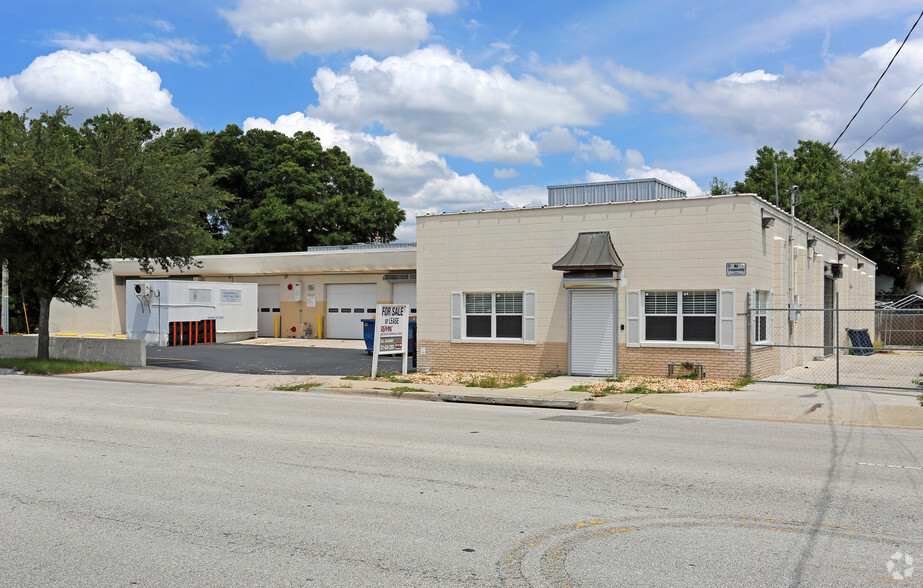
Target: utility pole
x=5, y=317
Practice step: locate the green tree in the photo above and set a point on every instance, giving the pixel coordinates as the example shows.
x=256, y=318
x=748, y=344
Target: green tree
x=817, y=169
x=913, y=260
x=717, y=186
x=879, y=199
x=290, y=193
x=70, y=199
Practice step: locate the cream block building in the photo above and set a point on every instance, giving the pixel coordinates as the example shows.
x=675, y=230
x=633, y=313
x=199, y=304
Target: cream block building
x=325, y=292
x=645, y=283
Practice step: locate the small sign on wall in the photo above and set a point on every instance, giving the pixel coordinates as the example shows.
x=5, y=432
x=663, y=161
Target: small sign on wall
x=736, y=269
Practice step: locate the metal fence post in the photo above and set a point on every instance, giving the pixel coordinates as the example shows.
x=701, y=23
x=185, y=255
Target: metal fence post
x=749, y=339
x=836, y=334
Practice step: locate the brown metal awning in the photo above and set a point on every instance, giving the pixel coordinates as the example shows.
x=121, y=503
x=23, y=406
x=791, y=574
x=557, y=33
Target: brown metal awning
x=591, y=251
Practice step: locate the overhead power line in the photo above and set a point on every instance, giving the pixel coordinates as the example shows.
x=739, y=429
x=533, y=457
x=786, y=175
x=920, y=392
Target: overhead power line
x=886, y=122
x=879, y=79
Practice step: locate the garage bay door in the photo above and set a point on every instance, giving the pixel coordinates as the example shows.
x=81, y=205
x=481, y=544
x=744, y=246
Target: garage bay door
x=347, y=305
x=592, y=332
x=268, y=304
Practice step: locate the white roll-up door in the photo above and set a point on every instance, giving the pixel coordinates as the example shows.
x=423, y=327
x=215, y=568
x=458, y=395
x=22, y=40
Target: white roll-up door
x=406, y=293
x=347, y=305
x=592, y=332
x=267, y=296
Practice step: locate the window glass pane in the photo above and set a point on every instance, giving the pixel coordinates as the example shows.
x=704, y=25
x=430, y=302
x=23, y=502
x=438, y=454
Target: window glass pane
x=699, y=328
x=509, y=303
x=509, y=326
x=761, y=328
x=477, y=326
x=700, y=302
x=477, y=303
x=660, y=303
x=660, y=328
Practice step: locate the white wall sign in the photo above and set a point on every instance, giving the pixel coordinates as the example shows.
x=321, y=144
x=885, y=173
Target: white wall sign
x=392, y=328
x=231, y=297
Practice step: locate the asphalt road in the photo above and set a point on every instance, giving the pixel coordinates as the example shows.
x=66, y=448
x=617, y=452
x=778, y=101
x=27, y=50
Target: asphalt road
x=266, y=359
x=117, y=485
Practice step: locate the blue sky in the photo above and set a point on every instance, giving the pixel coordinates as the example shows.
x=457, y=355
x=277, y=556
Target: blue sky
x=463, y=105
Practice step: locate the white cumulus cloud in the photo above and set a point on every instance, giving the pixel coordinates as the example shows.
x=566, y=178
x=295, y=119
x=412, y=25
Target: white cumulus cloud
x=439, y=101
x=91, y=84
x=288, y=28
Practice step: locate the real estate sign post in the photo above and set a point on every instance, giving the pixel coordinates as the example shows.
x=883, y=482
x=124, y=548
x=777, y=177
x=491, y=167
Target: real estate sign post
x=391, y=331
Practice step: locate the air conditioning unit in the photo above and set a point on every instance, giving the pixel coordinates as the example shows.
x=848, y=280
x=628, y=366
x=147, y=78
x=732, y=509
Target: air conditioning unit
x=143, y=290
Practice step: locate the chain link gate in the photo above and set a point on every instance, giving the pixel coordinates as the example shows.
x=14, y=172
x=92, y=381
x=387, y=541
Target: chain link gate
x=855, y=347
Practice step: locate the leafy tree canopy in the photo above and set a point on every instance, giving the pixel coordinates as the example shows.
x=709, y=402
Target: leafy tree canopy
x=71, y=198
x=290, y=193
x=880, y=199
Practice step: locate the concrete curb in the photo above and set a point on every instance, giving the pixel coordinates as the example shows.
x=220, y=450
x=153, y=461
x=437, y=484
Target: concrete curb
x=509, y=400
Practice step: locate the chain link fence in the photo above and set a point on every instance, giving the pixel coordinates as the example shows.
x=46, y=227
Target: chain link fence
x=869, y=348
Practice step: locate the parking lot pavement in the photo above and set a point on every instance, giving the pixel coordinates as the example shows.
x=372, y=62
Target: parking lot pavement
x=275, y=356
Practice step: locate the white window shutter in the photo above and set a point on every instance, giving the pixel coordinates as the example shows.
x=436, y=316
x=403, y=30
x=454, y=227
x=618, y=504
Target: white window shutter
x=528, y=317
x=753, y=311
x=456, y=317
x=770, y=335
x=633, y=314
x=726, y=319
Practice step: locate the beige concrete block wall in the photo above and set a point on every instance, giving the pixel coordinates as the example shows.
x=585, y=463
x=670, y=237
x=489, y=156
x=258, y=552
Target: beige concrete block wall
x=492, y=357
x=719, y=364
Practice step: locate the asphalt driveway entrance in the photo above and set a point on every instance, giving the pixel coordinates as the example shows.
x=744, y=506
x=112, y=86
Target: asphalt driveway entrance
x=286, y=357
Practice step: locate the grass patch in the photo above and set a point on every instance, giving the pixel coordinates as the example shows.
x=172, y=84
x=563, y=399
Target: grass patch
x=499, y=381
x=824, y=386
x=398, y=390
x=579, y=388
x=48, y=367
x=353, y=377
x=302, y=387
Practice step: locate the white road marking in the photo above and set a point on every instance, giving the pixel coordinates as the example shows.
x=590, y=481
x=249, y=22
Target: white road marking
x=886, y=465
x=168, y=409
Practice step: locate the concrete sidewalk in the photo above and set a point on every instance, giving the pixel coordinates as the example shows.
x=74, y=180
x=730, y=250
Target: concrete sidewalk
x=759, y=401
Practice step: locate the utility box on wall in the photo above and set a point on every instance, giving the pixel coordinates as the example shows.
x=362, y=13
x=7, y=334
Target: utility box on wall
x=169, y=312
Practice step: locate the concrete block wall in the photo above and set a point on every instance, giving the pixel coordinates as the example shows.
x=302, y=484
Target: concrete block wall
x=116, y=351
x=719, y=364
x=503, y=358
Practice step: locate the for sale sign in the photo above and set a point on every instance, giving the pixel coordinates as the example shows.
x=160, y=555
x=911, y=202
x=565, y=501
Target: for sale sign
x=391, y=332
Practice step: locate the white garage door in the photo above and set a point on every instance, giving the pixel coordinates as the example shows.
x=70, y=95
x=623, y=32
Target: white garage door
x=406, y=293
x=592, y=332
x=268, y=305
x=347, y=305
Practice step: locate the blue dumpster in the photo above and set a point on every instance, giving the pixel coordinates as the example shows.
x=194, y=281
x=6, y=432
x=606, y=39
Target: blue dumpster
x=368, y=334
